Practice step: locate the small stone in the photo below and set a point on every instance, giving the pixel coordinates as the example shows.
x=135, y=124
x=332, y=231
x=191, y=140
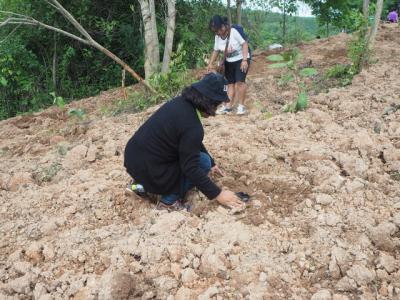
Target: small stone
x=332, y=219
x=48, y=253
x=175, y=253
x=116, y=285
x=148, y=295
x=308, y=203
x=262, y=277
x=257, y=204
x=198, y=250
x=212, y=263
x=19, y=180
x=322, y=295
x=22, y=267
x=188, y=275
x=91, y=153
x=340, y=297
x=34, y=253
x=39, y=290
x=56, y=139
x=167, y=223
x=381, y=236
x=74, y=159
x=361, y=275
x=346, y=284
x=196, y=263
x=21, y=285
x=185, y=262
x=167, y=283
x=184, y=294
x=396, y=219
x=176, y=270
x=387, y=262
x=209, y=293
x=324, y=199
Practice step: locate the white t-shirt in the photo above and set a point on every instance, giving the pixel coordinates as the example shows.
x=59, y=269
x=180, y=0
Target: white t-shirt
x=234, y=51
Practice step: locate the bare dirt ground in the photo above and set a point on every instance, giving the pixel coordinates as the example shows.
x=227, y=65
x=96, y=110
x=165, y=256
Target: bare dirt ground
x=323, y=223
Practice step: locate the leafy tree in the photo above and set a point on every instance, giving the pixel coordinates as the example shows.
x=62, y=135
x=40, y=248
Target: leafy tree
x=287, y=8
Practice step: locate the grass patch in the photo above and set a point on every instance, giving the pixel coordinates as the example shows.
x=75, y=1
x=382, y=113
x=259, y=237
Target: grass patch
x=395, y=175
x=46, y=174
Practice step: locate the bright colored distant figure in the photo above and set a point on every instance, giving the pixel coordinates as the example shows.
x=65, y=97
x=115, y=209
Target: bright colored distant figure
x=393, y=16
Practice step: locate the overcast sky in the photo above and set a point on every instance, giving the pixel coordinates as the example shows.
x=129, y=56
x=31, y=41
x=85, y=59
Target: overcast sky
x=304, y=9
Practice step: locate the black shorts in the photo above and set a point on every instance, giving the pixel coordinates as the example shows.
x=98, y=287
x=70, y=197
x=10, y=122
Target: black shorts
x=233, y=73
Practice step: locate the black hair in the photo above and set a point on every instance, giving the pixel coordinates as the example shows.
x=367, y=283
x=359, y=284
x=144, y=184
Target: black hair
x=199, y=101
x=217, y=22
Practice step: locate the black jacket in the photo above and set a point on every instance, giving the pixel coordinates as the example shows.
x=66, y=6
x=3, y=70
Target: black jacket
x=166, y=148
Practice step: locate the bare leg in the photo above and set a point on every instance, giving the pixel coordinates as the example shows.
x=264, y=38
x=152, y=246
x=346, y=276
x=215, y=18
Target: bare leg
x=241, y=88
x=231, y=95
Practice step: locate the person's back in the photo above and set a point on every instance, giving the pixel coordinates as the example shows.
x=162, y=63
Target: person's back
x=393, y=16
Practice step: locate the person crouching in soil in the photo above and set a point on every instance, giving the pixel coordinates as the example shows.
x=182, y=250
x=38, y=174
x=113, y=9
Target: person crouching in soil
x=166, y=155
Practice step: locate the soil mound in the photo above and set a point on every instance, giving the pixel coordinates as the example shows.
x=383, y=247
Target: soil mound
x=323, y=222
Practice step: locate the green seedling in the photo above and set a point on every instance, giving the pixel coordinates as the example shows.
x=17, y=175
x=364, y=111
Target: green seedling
x=289, y=61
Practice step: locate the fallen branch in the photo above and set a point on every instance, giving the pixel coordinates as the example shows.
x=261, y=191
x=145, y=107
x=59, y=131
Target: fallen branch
x=19, y=19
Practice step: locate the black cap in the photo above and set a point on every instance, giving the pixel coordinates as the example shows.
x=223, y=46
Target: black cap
x=213, y=86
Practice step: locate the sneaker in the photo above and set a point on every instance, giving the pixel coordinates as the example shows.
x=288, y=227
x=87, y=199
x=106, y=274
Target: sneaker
x=241, y=110
x=223, y=110
x=136, y=188
x=176, y=206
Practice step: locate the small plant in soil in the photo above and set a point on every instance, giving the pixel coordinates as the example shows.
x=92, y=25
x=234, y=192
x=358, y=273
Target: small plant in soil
x=77, y=113
x=340, y=72
x=46, y=174
x=58, y=100
x=395, y=175
x=289, y=61
x=62, y=149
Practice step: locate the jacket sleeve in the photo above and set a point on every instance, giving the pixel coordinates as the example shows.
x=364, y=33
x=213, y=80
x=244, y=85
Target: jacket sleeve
x=190, y=145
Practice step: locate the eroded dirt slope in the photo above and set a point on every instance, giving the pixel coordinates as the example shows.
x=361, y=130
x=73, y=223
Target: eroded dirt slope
x=324, y=221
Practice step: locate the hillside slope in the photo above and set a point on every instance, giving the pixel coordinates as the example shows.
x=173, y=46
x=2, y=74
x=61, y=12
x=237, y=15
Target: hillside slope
x=324, y=217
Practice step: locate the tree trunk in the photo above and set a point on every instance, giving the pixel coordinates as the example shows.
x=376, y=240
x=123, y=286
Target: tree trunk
x=327, y=29
x=374, y=31
x=239, y=11
x=228, y=6
x=152, y=50
x=366, y=9
x=156, y=48
x=169, y=36
x=54, y=69
x=284, y=23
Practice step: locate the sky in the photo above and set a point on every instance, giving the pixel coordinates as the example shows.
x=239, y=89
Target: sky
x=304, y=9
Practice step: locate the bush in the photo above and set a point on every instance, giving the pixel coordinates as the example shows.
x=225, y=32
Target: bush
x=341, y=72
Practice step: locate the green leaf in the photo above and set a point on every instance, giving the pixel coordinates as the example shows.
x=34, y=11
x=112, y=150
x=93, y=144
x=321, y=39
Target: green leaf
x=277, y=65
x=3, y=81
x=290, y=64
x=286, y=108
x=275, y=57
x=77, y=112
x=302, y=102
x=308, y=72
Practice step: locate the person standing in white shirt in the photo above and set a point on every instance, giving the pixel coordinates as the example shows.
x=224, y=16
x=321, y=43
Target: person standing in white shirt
x=236, y=62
